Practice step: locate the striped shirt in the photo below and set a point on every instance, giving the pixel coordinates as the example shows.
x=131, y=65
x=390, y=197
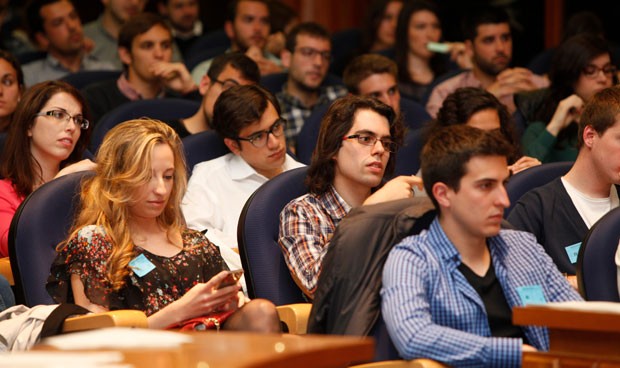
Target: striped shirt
x=307, y=225
x=432, y=311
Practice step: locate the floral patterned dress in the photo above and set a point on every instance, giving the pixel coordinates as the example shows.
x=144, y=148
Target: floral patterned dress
x=167, y=279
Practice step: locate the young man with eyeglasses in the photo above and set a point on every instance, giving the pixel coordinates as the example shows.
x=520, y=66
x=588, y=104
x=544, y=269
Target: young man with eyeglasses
x=358, y=139
x=561, y=212
x=227, y=70
x=248, y=119
x=307, y=56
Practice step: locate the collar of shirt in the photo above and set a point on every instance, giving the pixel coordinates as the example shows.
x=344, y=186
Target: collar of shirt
x=127, y=89
x=294, y=101
x=195, y=32
x=334, y=202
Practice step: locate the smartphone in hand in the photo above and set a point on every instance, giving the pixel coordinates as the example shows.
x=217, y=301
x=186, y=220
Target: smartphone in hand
x=231, y=278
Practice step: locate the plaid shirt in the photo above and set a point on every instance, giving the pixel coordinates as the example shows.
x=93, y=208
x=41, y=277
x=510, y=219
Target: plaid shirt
x=295, y=112
x=307, y=225
x=432, y=311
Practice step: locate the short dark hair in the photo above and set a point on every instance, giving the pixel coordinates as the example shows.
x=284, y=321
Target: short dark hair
x=239, y=61
x=364, y=66
x=601, y=111
x=138, y=25
x=231, y=10
x=306, y=28
x=460, y=105
x=482, y=15
x=33, y=18
x=17, y=162
x=336, y=122
x=240, y=106
x=449, y=149
x=19, y=73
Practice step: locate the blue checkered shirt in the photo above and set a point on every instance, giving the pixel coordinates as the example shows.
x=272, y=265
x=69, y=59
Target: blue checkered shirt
x=295, y=112
x=432, y=311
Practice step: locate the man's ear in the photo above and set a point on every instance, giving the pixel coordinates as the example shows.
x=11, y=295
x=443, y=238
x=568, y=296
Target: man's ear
x=232, y=145
x=124, y=55
x=285, y=57
x=229, y=29
x=441, y=192
x=205, y=82
x=42, y=41
x=588, y=136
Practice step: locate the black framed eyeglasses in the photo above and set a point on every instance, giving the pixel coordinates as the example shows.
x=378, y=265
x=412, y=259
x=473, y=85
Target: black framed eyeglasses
x=63, y=116
x=370, y=140
x=310, y=52
x=591, y=71
x=259, y=139
x=227, y=84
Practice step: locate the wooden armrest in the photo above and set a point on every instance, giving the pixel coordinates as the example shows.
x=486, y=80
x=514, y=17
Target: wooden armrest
x=416, y=363
x=122, y=318
x=5, y=269
x=295, y=316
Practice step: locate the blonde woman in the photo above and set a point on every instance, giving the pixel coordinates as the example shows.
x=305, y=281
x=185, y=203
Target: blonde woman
x=130, y=248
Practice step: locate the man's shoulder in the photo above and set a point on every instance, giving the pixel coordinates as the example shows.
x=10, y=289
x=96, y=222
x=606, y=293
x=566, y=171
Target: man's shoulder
x=207, y=168
x=464, y=79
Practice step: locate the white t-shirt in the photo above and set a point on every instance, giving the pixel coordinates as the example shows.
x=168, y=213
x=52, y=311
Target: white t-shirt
x=591, y=209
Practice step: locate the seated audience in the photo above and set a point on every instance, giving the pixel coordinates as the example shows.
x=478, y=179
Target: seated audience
x=478, y=108
x=354, y=152
x=379, y=32
x=55, y=26
x=227, y=70
x=248, y=119
x=49, y=132
x=11, y=88
x=560, y=213
x=183, y=16
x=129, y=238
x=418, y=67
x=247, y=26
x=145, y=47
x=307, y=55
x=448, y=292
x=581, y=67
x=488, y=41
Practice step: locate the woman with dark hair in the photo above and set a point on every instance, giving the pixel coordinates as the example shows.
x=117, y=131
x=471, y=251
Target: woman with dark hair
x=581, y=67
x=11, y=87
x=129, y=247
x=418, y=25
x=480, y=109
x=380, y=31
x=48, y=133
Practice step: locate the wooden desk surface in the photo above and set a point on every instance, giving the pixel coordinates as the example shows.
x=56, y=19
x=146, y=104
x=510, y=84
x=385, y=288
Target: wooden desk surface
x=578, y=332
x=226, y=349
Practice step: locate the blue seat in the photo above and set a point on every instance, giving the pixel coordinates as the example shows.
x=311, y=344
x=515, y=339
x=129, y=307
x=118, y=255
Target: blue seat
x=158, y=108
x=207, y=46
x=40, y=223
x=531, y=178
x=266, y=273
x=203, y=146
x=408, y=156
x=596, y=268
x=82, y=79
x=414, y=113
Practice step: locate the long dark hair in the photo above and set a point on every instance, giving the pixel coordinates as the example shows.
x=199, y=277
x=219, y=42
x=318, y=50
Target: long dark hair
x=17, y=163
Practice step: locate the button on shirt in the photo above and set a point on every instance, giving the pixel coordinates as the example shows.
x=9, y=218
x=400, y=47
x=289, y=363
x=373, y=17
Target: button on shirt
x=307, y=225
x=431, y=310
x=217, y=192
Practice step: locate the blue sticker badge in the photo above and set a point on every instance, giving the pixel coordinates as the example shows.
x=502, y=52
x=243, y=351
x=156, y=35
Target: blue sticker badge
x=532, y=294
x=141, y=265
x=573, y=252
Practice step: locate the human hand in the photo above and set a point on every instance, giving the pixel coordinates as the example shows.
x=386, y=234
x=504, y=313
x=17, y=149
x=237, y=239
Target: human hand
x=206, y=298
x=513, y=80
x=175, y=76
x=528, y=348
x=83, y=165
x=459, y=54
x=265, y=66
x=523, y=163
x=568, y=110
x=89, y=45
x=397, y=188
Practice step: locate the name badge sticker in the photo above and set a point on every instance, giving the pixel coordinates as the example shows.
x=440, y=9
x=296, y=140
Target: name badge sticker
x=532, y=294
x=573, y=252
x=141, y=265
